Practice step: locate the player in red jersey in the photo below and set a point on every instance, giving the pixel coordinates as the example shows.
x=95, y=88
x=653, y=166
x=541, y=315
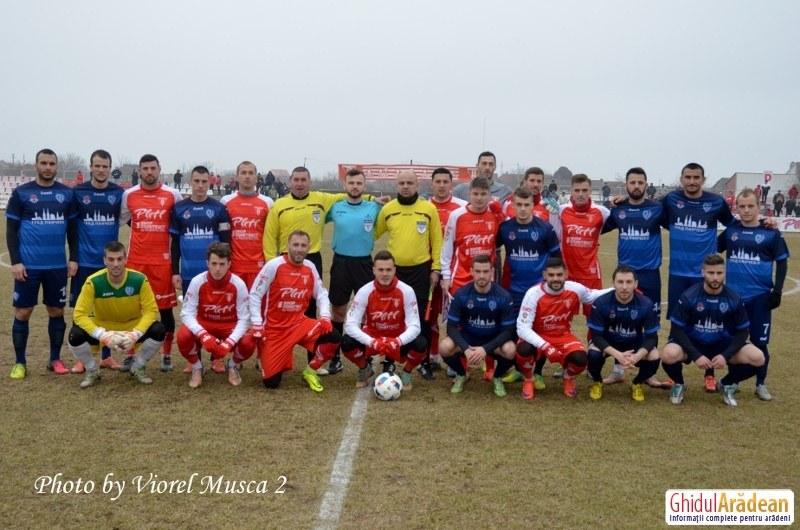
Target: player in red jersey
x=544, y=327
x=248, y=211
x=216, y=317
x=289, y=281
x=578, y=227
x=533, y=180
x=147, y=207
x=383, y=319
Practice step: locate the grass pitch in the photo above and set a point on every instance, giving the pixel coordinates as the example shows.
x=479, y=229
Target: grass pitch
x=429, y=460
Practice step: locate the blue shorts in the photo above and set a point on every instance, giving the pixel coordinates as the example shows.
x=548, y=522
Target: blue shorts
x=54, y=287
x=650, y=285
x=677, y=285
x=76, y=283
x=760, y=316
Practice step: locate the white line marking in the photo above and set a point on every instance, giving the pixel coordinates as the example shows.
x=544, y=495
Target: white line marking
x=330, y=509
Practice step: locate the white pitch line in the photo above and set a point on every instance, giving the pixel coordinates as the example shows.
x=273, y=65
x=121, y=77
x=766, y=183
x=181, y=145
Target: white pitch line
x=330, y=509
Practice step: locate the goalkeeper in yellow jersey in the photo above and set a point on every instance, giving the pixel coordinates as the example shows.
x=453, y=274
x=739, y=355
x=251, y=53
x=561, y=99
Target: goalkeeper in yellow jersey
x=116, y=308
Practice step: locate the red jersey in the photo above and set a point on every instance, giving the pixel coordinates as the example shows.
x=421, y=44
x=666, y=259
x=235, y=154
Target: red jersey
x=468, y=234
x=378, y=311
x=248, y=215
x=213, y=305
x=579, y=233
x=289, y=288
x=149, y=214
x=447, y=207
x=546, y=315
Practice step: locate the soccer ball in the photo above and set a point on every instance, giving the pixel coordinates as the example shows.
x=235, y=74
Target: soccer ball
x=387, y=387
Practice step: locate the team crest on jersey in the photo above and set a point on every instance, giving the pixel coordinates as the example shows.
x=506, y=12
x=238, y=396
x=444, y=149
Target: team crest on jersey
x=735, y=237
x=622, y=214
x=759, y=238
x=680, y=205
x=368, y=225
x=422, y=227
x=258, y=210
x=60, y=197
x=396, y=303
x=647, y=214
x=87, y=199
x=534, y=235
x=470, y=304
x=316, y=216
x=634, y=313
x=612, y=314
x=512, y=236
x=129, y=290
x=162, y=201
x=723, y=307
x=305, y=280
x=707, y=207
x=187, y=214
x=700, y=307
x=229, y=297
x=34, y=199
x=492, y=305
x=209, y=213
x=112, y=199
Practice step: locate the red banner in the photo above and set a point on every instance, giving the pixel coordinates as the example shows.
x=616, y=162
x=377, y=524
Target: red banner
x=390, y=171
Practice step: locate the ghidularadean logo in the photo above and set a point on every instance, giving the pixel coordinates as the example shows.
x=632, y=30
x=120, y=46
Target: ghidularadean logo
x=728, y=507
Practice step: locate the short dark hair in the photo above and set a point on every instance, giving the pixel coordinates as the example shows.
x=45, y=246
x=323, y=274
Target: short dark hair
x=533, y=171
x=299, y=233
x=713, y=259
x=383, y=255
x=442, y=171
x=149, y=158
x=355, y=171
x=100, y=153
x=481, y=258
x=623, y=269
x=523, y=193
x=45, y=151
x=487, y=153
x=635, y=171
x=301, y=169
x=200, y=169
x=245, y=163
x=693, y=165
x=481, y=183
x=579, y=178
x=554, y=262
x=113, y=246
x=219, y=249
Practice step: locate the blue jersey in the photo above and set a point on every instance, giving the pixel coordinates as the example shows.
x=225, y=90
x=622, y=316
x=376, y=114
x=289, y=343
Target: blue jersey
x=197, y=224
x=692, y=225
x=624, y=326
x=481, y=317
x=97, y=213
x=354, y=224
x=751, y=254
x=639, y=243
x=527, y=248
x=710, y=319
x=43, y=213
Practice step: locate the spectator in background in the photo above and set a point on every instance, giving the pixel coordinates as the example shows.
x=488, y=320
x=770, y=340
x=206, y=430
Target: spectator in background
x=791, y=204
x=552, y=189
x=606, y=190
x=79, y=178
x=730, y=200
x=134, y=178
x=651, y=191
x=758, y=191
x=777, y=201
x=116, y=174
x=177, y=178
x=764, y=193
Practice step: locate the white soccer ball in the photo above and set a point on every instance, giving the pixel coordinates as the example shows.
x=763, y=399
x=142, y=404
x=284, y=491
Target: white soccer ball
x=388, y=387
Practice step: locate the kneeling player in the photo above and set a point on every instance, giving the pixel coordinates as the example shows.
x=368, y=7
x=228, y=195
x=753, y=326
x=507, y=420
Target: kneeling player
x=544, y=327
x=116, y=308
x=710, y=329
x=216, y=316
x=383, y=319
x=289, y=281
x=480, y=322
x=624, y=326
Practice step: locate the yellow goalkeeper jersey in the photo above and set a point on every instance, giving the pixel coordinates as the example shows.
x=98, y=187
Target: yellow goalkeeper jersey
x=415, y=233
x=130, y=305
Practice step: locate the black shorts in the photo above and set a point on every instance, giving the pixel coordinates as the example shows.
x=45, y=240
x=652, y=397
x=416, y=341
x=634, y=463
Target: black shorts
x=77, y=281
x=418, y=277
x=348, y=275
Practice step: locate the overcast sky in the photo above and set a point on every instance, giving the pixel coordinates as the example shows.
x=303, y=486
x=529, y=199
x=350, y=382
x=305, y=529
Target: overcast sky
x=595, y=86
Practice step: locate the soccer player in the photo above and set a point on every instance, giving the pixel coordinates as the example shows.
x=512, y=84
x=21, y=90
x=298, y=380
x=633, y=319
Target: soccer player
x=216, y=317
x=384, y=320
x=97, y=206
x=544, y=327
x=415, y=241
x=353, y=239
x=37, y=215
x=289, y=282
x=751, y=250
x=147, y=207
x=625, y=326
x=710, y=328
x=480, y=323
x=116, y=308
x=578, y=227
x=248, y=211
x=485, y=167
x=543, y=208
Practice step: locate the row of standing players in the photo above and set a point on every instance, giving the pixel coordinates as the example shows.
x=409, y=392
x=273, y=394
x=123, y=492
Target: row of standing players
x=415, y=235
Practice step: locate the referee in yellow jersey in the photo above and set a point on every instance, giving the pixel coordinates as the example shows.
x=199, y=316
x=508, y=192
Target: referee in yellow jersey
x=415, y=241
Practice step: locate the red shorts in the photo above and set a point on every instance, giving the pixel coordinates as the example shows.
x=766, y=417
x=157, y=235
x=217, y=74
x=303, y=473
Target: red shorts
x=565, y=344
x=275, y=350
x=160, y=278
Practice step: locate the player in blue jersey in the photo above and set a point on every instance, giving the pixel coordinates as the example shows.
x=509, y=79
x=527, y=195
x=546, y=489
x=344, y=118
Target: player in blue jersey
x=624, y=326
x=752, y=249
x=97, y=206
x=37, y=217
x=353, y=240
x=480, y=323
x=710, y=329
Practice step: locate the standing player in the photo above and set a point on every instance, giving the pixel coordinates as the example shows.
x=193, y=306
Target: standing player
x=289, y=282
x=533, y=181
x=709, y=329
x=216, y=316
x=97, y=206
x=480, y=324
x=116, y=308
x=485, y=167
x=625, y=326
x=353, y=239
x=384, y=320
x=148, y=208
x=37, y=215
x=544, y=327
x=751, y=251
x=248, y=212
